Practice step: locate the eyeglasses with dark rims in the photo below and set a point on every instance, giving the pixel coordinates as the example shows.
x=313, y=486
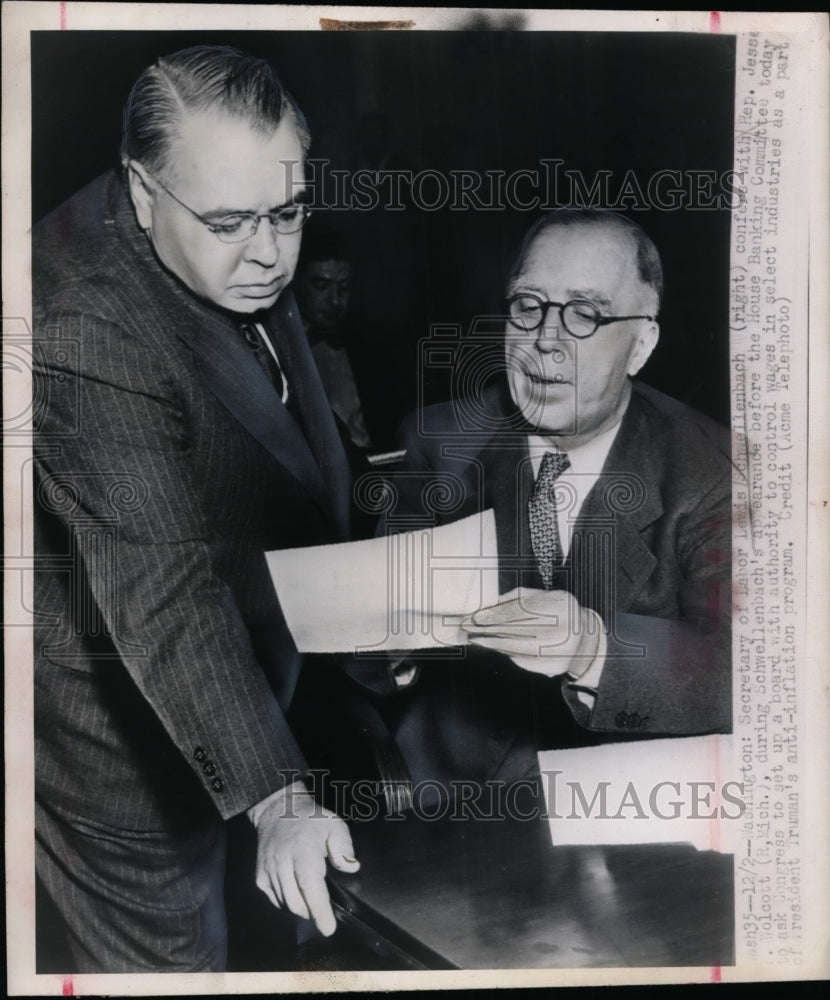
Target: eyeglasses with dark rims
x=580, y=318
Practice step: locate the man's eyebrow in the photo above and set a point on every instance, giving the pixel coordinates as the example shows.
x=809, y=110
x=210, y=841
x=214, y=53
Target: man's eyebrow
x=525, y=286
x=215, y=214
x=591, y=294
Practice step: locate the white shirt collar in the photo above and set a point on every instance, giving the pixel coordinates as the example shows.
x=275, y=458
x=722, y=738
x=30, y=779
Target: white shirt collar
x=586, y=460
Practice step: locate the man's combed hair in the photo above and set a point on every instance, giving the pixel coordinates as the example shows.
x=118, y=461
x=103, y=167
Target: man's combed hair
x=199, y=79
x=649, y=266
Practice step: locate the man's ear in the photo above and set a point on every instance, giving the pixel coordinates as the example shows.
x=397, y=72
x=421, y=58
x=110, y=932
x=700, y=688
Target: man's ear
x=141, y=193
x=643, y=347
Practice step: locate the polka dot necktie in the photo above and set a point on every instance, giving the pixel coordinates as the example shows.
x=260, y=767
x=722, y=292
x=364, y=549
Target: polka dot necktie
x=541, y=507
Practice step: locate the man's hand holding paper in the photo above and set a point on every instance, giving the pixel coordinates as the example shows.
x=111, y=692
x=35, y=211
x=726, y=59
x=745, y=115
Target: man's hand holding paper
x=545, y=631
x=414, y=588
x=415, y=601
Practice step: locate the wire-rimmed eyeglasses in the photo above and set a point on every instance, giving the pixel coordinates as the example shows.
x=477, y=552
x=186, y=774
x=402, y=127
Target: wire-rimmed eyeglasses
x=580, y=318
x=242, y=226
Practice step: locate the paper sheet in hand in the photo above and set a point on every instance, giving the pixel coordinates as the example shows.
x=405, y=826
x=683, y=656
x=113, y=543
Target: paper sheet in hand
x=400, y=592
x=652, y=791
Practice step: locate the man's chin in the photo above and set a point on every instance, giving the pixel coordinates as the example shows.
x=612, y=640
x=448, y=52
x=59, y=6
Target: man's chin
x=552, y=425
x=556, y=430
x=247, y=305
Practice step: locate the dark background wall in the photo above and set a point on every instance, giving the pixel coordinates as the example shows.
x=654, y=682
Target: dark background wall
x=477, y=100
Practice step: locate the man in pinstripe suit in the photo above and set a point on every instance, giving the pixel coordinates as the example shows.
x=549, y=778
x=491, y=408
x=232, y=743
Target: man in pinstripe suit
x=182, y=431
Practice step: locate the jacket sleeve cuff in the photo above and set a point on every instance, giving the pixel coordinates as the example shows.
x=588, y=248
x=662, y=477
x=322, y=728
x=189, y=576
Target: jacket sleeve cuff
x=256, y=811
x=584, y=686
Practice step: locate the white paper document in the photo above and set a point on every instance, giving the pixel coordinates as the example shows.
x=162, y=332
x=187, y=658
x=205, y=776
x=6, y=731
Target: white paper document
x=685, y=790
x=399, y=592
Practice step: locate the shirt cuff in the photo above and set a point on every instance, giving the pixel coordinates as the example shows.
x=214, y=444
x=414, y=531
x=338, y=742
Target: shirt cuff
x=256, y=811
x=404, y=672
x=585, y=685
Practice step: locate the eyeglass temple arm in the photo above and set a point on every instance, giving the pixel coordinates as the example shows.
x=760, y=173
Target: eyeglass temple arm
x=605, y=320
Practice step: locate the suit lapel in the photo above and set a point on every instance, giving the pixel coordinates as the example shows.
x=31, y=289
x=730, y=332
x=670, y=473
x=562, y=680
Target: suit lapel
x=231, y=372
x=631, y=500
x=509, y=485
x=319, y=423
x=507, y=481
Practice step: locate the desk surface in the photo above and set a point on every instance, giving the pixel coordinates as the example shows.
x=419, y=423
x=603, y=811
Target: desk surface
x=497, y=894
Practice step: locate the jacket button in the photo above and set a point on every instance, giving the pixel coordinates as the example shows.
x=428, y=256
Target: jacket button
x=217, y=785
x=199, y=754
x=209, y=768
x=622, y=719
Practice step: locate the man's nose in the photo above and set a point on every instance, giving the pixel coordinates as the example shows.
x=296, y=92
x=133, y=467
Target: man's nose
x=337, y=297
x=263, y=247
x=549, y=339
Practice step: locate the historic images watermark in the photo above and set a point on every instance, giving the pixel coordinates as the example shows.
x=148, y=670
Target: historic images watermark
x=620, y=797
x=548, y=185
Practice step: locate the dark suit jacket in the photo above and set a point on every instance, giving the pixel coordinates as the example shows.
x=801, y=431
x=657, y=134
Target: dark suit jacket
x=651, y=553
x=165, y=466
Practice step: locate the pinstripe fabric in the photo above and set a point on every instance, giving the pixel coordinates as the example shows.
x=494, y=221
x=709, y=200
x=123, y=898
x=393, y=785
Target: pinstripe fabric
x=163, y=471
x=140, y=902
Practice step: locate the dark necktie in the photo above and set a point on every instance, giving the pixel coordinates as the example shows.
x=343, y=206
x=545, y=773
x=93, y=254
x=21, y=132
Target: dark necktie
x=541, y=508
x=266, y=360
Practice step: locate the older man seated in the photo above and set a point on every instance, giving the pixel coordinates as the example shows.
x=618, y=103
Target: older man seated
x=612, y=504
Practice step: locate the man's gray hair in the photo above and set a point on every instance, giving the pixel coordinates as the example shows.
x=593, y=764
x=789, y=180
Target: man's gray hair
x=205, y=77
x=649, y=266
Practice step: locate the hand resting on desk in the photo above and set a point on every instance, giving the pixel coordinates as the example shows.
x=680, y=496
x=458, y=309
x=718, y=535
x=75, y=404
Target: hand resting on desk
x=295, y=835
